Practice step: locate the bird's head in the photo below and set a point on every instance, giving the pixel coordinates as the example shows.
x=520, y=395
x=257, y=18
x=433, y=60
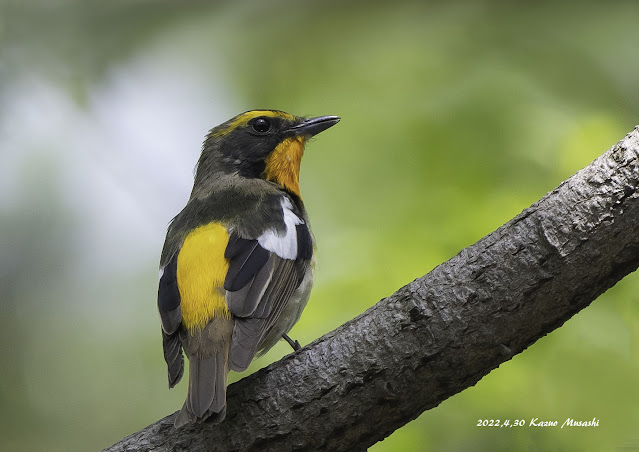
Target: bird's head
x=266, y=144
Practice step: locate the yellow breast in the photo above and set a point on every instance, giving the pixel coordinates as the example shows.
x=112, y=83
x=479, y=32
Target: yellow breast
x=201, y=269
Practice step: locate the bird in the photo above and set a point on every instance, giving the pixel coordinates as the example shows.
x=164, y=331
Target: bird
x=238, y=261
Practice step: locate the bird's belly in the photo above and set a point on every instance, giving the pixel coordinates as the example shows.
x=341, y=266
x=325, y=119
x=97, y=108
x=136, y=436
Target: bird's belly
x=201, y=269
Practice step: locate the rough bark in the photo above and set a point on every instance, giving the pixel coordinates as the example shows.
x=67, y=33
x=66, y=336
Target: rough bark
x=441, y=333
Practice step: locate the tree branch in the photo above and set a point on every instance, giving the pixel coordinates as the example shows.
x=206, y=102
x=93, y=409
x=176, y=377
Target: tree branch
x=441, y=333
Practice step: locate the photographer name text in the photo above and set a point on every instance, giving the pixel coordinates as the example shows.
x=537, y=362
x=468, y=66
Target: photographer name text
x=536, y=422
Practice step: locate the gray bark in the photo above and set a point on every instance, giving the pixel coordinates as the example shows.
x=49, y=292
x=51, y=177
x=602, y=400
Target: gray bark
x=441, y=333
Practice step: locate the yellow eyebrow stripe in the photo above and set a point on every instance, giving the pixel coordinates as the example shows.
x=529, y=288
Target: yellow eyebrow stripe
x=243, y=119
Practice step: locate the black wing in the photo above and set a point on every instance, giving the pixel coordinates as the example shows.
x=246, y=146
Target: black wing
x=259, y=283
x=171, y=317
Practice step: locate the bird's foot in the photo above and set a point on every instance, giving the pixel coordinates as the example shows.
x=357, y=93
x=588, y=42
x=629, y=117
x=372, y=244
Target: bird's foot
x=295, y=344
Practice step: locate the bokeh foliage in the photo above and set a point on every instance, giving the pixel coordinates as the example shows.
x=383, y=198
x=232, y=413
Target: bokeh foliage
x=456, y=116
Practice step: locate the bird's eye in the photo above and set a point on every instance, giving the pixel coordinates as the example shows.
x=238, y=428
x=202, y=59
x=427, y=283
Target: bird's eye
x=261, y=125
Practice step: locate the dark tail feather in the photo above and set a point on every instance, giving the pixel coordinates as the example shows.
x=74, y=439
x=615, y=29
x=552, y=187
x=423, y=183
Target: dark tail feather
x=206, y=399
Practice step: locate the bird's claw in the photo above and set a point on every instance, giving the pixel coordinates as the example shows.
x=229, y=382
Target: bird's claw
x=295, y=344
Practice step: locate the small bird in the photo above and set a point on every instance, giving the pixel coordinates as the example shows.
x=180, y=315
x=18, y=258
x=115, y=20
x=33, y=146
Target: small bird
x=237, y=265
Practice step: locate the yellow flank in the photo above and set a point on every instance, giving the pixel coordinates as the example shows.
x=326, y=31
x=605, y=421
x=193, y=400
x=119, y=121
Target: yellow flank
x=243, y=119
x=283, y=164
x=201, y=269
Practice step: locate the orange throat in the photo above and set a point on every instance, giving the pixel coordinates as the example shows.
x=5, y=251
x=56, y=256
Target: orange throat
x=283, y=164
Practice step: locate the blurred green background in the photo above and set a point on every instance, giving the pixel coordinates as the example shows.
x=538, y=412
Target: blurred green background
x=455, y=117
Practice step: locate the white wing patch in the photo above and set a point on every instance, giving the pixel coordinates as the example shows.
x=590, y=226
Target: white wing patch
x=283, y=244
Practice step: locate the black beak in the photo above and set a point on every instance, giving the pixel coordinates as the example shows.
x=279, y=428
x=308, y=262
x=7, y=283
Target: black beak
x=313, y=126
